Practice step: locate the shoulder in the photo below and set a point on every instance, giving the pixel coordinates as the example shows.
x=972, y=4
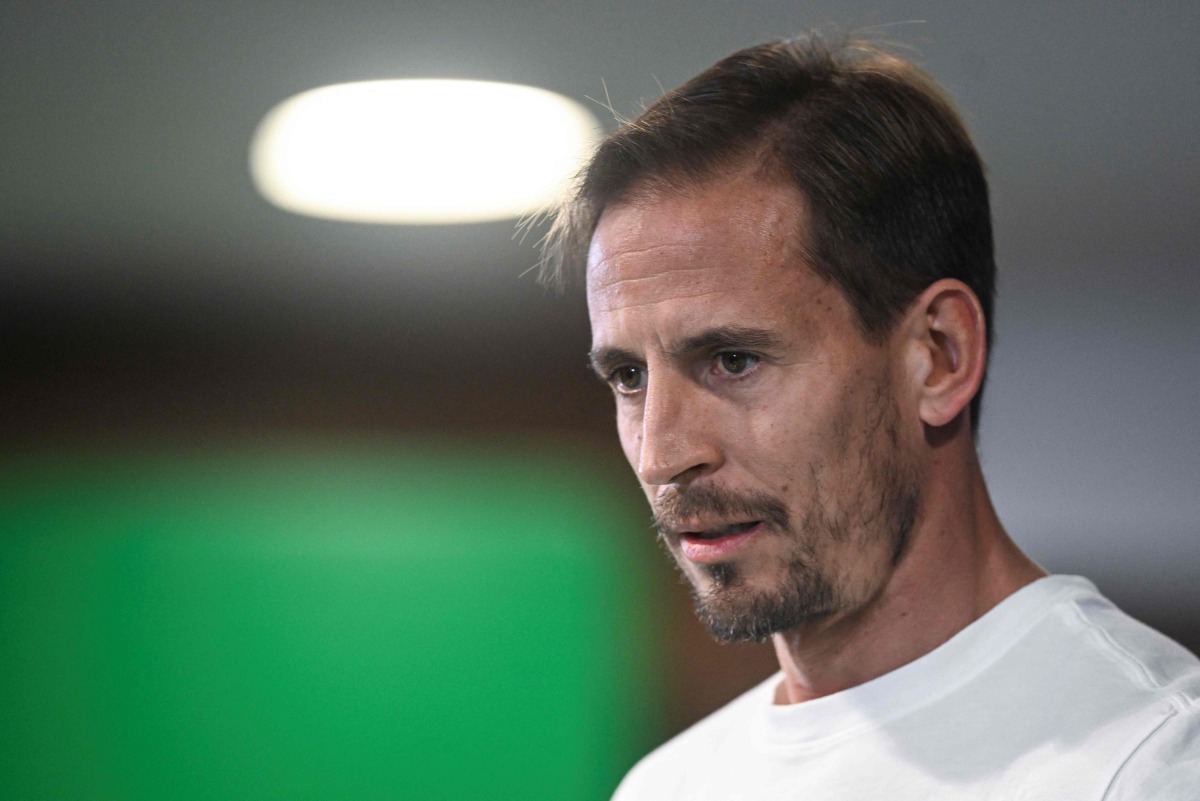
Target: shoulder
x=1146, y=689
x=1149, y=662
x=1166, y=764
x=663, y=774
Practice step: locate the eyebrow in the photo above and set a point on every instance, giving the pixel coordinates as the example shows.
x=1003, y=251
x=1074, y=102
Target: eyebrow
x=734, y=337
x=604, y=360
x=731, y=337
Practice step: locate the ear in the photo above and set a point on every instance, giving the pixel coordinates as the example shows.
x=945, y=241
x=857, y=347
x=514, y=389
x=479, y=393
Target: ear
x=947, y=350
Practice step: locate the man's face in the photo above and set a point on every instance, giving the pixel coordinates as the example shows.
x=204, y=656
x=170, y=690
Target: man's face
x=762, y=425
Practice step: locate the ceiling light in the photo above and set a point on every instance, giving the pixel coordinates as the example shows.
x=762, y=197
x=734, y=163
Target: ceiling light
x=420, y=151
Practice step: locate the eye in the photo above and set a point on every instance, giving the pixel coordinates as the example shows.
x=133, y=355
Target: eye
x=628, y=378
x=734, y=362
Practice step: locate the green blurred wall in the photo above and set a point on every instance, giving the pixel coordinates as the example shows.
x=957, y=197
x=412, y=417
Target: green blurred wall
x=405, y=622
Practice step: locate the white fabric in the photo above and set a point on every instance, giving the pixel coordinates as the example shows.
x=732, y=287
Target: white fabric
x=1055, y=694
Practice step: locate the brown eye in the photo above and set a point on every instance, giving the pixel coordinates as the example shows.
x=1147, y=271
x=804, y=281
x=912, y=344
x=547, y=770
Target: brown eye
x=735, y=362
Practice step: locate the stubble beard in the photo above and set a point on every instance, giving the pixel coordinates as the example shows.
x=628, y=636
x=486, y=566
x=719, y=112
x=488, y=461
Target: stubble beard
x=882, y=507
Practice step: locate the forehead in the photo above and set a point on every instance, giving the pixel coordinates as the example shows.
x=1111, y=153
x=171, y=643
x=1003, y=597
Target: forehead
x=727, y=246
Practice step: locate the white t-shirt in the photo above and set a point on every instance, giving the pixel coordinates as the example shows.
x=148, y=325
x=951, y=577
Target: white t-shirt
x=1054, y=694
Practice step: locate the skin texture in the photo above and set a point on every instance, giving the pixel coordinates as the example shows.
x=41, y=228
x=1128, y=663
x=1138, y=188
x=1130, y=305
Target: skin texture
x=746, y=395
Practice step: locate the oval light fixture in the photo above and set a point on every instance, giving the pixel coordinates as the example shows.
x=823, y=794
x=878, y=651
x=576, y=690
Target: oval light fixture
x=420, y=151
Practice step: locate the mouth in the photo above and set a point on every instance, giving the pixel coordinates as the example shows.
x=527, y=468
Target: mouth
x=720, y=532
x=717, y=543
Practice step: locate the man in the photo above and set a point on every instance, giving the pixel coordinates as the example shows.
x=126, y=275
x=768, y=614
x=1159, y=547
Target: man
x=789, y=277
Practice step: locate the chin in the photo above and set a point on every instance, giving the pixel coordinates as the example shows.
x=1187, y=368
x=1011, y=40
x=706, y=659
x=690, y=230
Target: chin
x=737, y=609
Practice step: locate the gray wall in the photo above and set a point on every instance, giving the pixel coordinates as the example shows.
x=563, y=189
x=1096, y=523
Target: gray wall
x=147, y=294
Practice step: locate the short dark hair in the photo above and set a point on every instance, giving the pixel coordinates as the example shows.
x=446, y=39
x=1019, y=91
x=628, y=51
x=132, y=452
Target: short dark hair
x=894, y=188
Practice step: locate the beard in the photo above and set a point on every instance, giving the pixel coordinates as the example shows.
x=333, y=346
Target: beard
x=735, y=612
x=879, y=506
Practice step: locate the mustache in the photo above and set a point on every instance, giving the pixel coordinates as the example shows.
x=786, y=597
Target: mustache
x=674, y=505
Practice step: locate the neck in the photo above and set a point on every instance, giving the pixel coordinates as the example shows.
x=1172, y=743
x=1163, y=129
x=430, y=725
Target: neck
x=959, y=564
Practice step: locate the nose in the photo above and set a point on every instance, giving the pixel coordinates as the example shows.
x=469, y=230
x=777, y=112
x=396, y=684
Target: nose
x=678, y=439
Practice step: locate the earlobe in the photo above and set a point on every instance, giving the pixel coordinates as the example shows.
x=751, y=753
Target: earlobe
x=951, y=331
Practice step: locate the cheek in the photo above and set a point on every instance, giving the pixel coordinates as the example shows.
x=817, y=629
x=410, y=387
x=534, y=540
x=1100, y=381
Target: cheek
x=629, y=430
x=630, y=434
x=789, y=445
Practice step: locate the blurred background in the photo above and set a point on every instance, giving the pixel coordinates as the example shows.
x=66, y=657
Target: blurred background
x=178, y=358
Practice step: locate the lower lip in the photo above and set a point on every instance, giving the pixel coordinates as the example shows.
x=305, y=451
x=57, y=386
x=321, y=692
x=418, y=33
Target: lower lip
x=718, y=550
